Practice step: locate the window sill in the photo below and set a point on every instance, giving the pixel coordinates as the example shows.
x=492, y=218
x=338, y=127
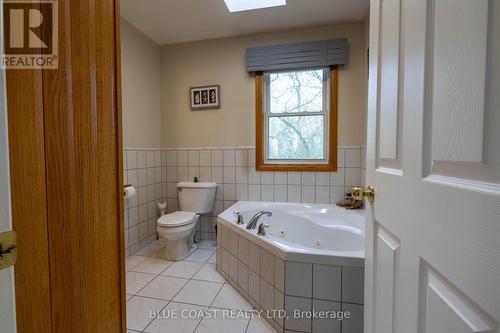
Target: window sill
x=296, y=167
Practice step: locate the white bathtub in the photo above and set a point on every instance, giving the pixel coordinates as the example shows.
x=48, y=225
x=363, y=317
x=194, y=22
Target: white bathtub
x=312, y=233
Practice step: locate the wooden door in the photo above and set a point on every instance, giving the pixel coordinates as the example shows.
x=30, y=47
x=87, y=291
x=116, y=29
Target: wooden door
x=66, y=163
x=433, y=231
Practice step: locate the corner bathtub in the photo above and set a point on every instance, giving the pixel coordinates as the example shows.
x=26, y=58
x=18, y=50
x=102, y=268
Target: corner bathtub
x=323, y=234
x=312, y=259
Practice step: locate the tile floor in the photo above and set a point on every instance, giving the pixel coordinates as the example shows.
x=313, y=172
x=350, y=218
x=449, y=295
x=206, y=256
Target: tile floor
x=191, y=286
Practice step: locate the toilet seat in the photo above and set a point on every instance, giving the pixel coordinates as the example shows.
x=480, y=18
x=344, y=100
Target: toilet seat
x=176, y=219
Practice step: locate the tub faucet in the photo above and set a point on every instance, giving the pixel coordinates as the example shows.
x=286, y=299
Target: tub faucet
x=253, y=221
x=262, y=229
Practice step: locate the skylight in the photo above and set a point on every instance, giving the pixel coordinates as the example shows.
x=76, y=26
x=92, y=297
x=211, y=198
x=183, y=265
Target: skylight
x=242, y=5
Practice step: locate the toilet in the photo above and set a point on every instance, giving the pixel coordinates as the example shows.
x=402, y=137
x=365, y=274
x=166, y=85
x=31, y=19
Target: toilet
x=177, y=229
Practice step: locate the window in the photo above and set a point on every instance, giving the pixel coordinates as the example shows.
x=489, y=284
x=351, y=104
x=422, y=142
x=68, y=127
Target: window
x=296, y=120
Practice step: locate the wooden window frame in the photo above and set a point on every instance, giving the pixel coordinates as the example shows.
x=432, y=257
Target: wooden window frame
x=260, y=163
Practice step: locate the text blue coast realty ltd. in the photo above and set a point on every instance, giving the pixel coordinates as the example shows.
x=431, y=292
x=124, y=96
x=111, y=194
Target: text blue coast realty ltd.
x=245, y=314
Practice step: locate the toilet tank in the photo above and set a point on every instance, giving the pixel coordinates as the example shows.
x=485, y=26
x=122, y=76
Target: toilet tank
x=196, y=197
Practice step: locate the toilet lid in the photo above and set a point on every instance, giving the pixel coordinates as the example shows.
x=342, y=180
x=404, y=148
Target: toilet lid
x=176, y=219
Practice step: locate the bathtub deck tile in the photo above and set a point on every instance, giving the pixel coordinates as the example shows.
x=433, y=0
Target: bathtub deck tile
x=254, y=257
x=243, y=276
x=254, y=286
x=355, y=323
x=233, y=242
x=279, y=274
x=326, y=325
x=243, y=249
x=352, y=285
x=266, y=295
x=279, y=304
x=298, y=279
x=327, y=282
x=300, y=324
x=225, y=261
x=267, y=266
x=233, y=267
x=268, y=282
x=218, y=260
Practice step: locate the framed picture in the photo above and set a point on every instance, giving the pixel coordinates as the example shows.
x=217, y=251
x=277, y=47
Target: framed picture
x=205, y=98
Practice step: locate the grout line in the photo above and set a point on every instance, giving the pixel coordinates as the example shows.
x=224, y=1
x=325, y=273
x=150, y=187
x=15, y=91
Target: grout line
x=248, y=324
x=341, y=296
x=189, y=279
x=203, y=317
x=133, y=255
x=168, y=302
x=312, y=294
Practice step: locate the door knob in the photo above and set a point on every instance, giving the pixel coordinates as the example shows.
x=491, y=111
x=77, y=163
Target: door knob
x=358, y=193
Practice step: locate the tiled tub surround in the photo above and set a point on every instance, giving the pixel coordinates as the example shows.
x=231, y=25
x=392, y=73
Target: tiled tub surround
x=233, y=169
x=156, y=172
x=263, y=274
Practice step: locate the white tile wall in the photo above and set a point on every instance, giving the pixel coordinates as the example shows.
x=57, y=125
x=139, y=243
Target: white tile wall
x=155, y=173
x=234, y=170
x=146, y=170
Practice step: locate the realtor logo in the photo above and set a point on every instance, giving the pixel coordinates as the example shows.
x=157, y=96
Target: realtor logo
x=30, y=34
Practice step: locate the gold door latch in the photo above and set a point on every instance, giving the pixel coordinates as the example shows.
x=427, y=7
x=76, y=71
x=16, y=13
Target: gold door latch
x=358, y=193
x=8, y=253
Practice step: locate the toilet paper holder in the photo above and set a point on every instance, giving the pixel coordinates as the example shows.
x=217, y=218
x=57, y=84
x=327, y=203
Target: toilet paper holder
x=124, y=186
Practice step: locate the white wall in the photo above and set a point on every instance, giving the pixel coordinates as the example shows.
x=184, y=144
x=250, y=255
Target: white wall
x=222, y=61
x=141, y=108
x=366, y=48
x=492, y=115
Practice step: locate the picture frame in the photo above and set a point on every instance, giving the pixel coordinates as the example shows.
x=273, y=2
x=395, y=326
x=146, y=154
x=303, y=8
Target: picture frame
x=204, y=98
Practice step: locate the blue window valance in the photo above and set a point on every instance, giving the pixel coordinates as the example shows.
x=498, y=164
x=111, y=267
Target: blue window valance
x=298, y=55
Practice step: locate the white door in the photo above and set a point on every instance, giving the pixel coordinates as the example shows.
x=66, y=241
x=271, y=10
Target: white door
x=433, y=231
x=7, y=309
